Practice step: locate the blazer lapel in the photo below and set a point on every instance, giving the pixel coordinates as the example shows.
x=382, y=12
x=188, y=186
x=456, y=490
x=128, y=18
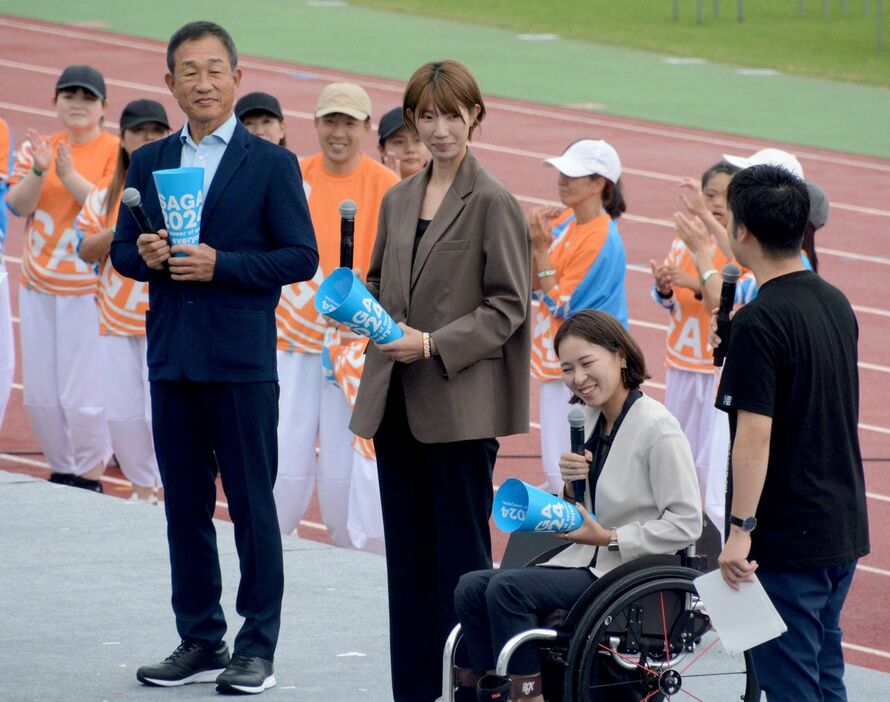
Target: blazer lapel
x=406, y=229
x=448, y=211
x=171, y=155
x=235, y=153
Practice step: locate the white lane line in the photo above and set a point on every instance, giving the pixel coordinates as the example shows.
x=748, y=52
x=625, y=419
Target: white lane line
x=877, y=496
x=636, y=268
x=668, y=224
x=872, y=569
x=47, y=113
x=111, y=480
x=538, y=156
x=398, y=88
x=866, y=649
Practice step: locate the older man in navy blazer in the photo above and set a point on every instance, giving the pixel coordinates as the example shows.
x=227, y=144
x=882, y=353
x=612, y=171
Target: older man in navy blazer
x=211, y=359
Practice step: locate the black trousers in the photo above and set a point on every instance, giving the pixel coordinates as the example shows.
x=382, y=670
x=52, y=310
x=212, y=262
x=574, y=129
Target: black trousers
x=495, y=605
x=201, y=429
x=436, y=501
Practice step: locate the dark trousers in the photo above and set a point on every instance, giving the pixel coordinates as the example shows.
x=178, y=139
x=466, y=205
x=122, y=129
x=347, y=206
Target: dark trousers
x=806, y=662
x=436, y=501
x=495, y=605
x=230, y=428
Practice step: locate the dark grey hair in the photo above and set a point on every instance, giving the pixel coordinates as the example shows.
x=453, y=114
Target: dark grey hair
x=196, y=30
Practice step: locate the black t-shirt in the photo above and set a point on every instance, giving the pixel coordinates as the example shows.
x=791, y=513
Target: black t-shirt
x=792, y=356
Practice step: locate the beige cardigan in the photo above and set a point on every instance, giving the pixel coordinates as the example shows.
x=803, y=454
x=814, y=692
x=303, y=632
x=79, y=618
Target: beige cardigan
x=648, y=490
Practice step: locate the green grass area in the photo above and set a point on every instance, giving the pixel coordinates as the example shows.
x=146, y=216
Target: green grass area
x=773, y=33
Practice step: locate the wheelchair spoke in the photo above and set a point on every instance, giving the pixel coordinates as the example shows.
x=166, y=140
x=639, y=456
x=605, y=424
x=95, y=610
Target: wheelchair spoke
x=667, y=648
x=627, y=659
x=650, y=695
x=701, y=653
x=686, y=692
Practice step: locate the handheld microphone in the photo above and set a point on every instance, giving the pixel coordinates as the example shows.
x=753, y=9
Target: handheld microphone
x=731, y=275
x=576, y=434
x=347, y=208
x=133, y=200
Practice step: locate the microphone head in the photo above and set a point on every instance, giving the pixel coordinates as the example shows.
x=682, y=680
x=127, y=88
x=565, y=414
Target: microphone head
x=348, y=208
x=576, y=418
x=731, y=273
x=131, y=197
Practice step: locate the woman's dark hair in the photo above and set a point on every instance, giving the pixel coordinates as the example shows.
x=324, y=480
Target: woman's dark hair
x=198, y=30
x=809, y=245
x=260, y=113
x=116, y=186
x=613, y=198
x=602, y=329
x=445, y=86
x=724, y=167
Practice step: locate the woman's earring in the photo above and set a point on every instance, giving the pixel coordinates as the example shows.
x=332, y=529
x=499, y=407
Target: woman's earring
x=624, y=372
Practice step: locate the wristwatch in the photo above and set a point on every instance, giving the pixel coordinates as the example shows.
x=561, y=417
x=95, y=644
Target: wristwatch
x=747, y=525
x=613, y=540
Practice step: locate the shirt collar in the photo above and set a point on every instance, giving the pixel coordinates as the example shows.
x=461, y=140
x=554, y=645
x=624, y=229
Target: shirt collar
x=222, y=133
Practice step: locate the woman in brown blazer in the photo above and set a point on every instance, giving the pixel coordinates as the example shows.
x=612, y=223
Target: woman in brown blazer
x=452, y=264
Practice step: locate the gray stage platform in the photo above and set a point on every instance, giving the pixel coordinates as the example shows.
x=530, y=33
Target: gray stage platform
x=84, y=601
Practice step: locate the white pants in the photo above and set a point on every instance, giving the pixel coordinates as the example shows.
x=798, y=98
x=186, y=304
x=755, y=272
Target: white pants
x=312, y=409
x=690, y=398
x=7, y=343
x=365, y=521
x=554, y=396
x=127, y=402
x=62, y=376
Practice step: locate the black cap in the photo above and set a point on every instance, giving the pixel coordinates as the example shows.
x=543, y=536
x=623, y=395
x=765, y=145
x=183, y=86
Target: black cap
x=390, y=123
x=258, y=102
x=142, y=111
x=85, y=77
x=818, y=205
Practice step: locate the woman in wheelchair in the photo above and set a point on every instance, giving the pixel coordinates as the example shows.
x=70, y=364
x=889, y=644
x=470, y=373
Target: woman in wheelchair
x=640, y=484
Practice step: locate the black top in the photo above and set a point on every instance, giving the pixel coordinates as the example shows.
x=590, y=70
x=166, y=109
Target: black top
x=792, y=356
x=599, y=444
x=422, y=226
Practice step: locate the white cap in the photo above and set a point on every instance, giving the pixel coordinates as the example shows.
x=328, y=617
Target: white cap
x=588, y=157
x=768, y=157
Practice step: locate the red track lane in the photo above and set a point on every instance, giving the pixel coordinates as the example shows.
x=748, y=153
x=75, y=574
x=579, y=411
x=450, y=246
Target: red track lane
x=514, y=138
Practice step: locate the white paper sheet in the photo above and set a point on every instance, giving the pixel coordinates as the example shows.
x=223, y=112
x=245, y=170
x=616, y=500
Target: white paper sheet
x=743, y=618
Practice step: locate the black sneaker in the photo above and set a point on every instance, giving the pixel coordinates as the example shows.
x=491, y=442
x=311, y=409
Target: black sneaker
x=86, y=484
x=247, y=675
x=76, y=481
x=189, y=663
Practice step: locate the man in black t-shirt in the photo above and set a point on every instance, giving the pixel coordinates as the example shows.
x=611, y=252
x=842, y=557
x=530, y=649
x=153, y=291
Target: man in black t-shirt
x=791, y=388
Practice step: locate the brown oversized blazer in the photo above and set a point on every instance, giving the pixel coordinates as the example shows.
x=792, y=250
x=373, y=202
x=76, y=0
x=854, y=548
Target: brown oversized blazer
x=470, y=288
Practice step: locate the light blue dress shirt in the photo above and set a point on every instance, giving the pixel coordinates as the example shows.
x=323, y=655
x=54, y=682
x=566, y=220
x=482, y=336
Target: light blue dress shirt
x=209, y=152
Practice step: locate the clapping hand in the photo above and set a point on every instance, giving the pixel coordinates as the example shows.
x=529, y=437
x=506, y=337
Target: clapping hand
x=692, y=197
x=64, y=160
x=693, y=232
x=41, y=153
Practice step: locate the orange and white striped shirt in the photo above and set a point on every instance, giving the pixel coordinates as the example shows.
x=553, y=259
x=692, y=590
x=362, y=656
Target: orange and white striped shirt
x=590, y=264
x=122, y=301
x=688, y=346
x=346, y=353
x=50, y=263
x=300, y=327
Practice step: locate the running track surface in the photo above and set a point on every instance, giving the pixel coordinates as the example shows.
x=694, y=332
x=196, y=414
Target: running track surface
x=854, y=249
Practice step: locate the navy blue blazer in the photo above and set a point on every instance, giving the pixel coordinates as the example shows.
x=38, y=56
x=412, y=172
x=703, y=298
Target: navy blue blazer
x=256, y=217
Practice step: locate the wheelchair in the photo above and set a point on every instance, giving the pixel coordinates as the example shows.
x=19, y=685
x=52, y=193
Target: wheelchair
x=638, y=633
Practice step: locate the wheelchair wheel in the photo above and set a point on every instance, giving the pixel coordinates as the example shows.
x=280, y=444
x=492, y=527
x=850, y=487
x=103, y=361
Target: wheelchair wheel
x=647, y=639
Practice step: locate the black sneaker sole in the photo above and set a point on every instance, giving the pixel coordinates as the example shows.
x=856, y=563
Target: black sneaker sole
x=232, y=689
x=204, y=676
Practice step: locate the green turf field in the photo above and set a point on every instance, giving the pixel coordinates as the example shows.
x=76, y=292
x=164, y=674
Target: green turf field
x=773, y=33
x=607, y=79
